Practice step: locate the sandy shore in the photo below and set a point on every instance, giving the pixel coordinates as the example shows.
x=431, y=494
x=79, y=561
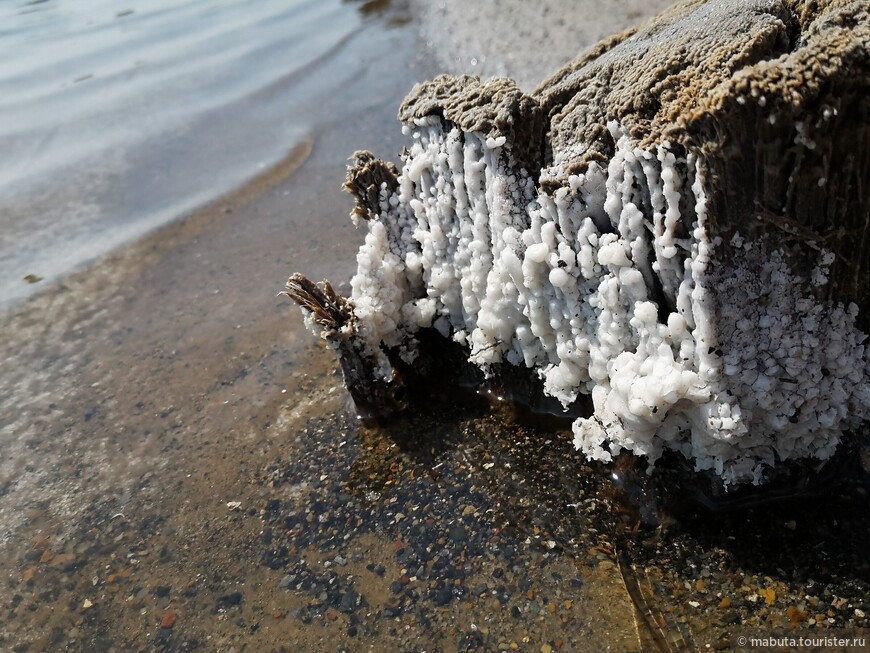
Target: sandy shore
x=151, y=392
x=182, y=472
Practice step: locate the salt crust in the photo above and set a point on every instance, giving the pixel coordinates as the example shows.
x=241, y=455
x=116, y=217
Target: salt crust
x=606, y=287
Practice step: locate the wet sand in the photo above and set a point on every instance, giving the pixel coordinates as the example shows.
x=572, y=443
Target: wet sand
x=182, y=471
x=152, y=392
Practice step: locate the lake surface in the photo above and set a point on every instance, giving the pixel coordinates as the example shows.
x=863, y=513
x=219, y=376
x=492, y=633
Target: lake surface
x=116, y=118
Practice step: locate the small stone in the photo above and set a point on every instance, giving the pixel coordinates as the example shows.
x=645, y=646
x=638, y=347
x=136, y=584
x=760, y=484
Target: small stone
x=731, y=617
x=768, y=595
x=46, y=557
x=859, y=613
x=63, y=560
x=29, y=574
x=725, y=603
x=229, y=600
x=457, y=533
x=700, y=585
x=331, y=616
x=277, y=614
x=169, y=618
x=443, y=596
x=349, y=601
x=234, y=505
x=546, y=648
x=87, y=604
x=795, y=616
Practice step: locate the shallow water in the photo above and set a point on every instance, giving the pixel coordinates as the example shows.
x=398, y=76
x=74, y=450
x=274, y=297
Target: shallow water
x=116, y=118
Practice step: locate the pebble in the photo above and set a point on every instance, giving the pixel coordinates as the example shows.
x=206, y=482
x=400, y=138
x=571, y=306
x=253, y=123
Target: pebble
x=795, y=616
x=169, y=618
x=443, y=596
x=235, y=598
x=768, y=595
x=457, y=533
x=349, y=601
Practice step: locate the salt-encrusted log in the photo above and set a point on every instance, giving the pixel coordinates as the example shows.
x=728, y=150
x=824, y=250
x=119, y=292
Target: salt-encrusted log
x=677, y=224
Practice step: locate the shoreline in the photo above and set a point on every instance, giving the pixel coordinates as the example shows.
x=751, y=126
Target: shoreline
x=165, y=410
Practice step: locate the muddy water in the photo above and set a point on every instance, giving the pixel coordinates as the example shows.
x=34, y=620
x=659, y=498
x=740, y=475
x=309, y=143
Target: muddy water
x=182, y=472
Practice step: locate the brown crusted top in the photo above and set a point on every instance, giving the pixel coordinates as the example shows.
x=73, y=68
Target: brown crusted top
x=673, y=79
x=494, y=108
x=654, y=80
